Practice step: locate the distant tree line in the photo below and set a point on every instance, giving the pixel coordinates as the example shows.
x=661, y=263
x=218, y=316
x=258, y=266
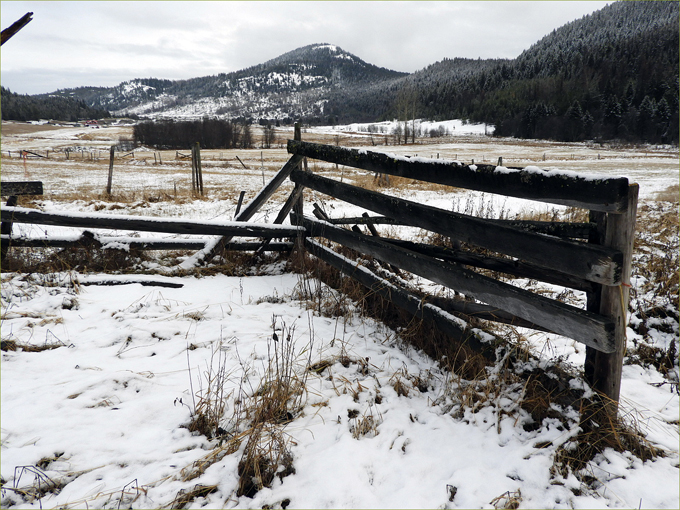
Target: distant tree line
x=209, y=133
x=609, y=75
x=24, y=108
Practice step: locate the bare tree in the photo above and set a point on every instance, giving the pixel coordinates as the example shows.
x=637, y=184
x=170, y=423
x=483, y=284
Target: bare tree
x=406, y=106
x=268, y=136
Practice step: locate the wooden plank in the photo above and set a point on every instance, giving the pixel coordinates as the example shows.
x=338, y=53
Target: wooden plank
x=606, y=368
x=586, y=327
x=6, y=229
x=8, y=188
x=467, y=310
x=147, y=224
x=507, y=266
x=565, y=188
x=594, y=263
x=136, y=244
x=413, y=304
x=553, y=228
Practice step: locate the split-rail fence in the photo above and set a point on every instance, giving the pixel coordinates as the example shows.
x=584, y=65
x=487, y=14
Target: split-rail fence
x=593, y=257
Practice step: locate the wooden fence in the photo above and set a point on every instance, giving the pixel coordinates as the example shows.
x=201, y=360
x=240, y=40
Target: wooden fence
x=594, y=257
x=11, y=214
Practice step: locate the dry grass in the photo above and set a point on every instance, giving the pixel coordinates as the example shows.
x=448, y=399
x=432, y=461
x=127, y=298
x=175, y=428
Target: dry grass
x=599, y=431
x=266, y=456
x=184, y=496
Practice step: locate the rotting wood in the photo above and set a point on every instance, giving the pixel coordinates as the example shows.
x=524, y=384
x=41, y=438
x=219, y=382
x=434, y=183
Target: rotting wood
x=469, y=309
x=501, y=265
x=605, y=369
x=6, y=230
x=593, y=263
x=240, y=202
x=135, y=244
x=588, y=328
x=21, y=215
x=599, y=194
x=376, y=220
x=374, y=233
x=449, y=324
x=8, y=188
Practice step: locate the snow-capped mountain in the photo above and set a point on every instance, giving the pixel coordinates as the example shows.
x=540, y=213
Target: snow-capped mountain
x=295, y=84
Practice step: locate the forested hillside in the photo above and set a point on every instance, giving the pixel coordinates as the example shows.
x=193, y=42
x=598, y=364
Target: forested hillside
x=612, y=74
x=25, y=107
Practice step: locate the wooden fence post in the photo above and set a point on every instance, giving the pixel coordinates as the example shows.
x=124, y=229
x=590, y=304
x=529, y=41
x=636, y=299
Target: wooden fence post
x=299, y=205
x=199, y=169
x=6, y=228
x=603, y=370
x=196, y=170
x=110, y=180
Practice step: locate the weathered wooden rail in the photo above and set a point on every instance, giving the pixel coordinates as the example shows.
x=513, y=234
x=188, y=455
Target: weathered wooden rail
x=593, y=257
x=11, y=214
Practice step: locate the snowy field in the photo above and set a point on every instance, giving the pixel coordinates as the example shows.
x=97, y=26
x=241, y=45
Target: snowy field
x=98, y=416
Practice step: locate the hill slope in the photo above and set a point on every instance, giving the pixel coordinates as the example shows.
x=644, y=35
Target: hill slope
x=295, y=84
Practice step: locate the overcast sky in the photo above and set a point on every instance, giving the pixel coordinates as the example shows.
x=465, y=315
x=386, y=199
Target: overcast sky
x=99, y=43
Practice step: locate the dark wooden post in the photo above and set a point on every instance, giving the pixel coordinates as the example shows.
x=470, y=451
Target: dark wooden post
x=109, y=182
x=299, y=205
x=199, y=169
x=196, y=171
x=240, y=203
x=6, y=228
x=603, y=370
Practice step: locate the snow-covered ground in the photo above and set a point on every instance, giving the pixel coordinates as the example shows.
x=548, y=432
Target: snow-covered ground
x=99, y=419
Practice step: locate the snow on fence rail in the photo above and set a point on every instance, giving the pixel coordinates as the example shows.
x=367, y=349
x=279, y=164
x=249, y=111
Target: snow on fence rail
x=598, y=264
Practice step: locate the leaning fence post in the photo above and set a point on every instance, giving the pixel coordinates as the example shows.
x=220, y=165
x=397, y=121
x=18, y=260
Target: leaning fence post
x=110, y=180
x=603, y=370
x=199, y=169
x=193, y=171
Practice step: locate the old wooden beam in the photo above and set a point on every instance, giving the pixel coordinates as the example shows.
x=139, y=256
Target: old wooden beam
x=376, y=220
x=603, y=370
x=136, y=243
x=586, y=327
x=566, y=188
x=8, y=188
x=594, y=263
x=449, y=324
x=469, y=309
x=507, y=266
x=6, y=230
x=147, y=224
